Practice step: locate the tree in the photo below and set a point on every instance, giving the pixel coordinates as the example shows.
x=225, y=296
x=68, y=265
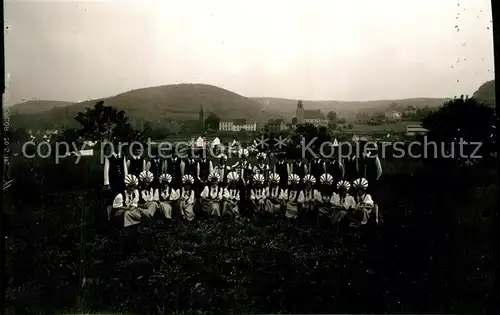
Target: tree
x=462, y=118
x=294, y=120
x=332, y=117
x=349, y=126
x=106, y=123
x=341, y=121
x=212, y=121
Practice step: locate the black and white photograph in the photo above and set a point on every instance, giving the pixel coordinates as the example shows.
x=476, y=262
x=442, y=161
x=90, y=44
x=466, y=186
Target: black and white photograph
x=249, y=157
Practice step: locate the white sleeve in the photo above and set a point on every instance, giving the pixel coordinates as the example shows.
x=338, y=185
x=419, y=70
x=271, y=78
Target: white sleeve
x=350, y=203
x=183, y=167
x=225, y=193
x=148, y=165
x=237, y=197
x=144, y=195
x=379, y=167
x=317, y=196
x=301, y=197
x=191, y=198
x=156, y=195
x=252, y=195
x=135, y=201
x=118, y=201
x=265, y=193
x=205, y=192
x=210, y=167
x=127, y=166
x=174, y=194
x=106, y=172
x=368, y=201
x=283, y=193
x=335, y=200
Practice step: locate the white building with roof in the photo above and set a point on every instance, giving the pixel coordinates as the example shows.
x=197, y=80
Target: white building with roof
x=236, y=125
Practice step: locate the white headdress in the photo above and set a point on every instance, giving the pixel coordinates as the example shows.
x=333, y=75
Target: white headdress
x=233, y=177
x=187, y=179
x=214, y=177
x=165, y=178
x=326, y=179
x=343, y=184
x=294, y=178
x=360, y=183
x=274, y=178
x=258, y=178
x=131, y=180
x=309, y=179
x=243, y=153
x=146, y=176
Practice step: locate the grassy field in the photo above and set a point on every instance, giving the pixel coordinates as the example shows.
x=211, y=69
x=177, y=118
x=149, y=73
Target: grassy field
x=433, y=253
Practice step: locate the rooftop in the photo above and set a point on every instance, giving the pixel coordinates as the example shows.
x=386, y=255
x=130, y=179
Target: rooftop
x=314, y=114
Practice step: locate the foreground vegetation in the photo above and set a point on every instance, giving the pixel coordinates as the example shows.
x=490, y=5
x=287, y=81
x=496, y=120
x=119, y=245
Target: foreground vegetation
x=433, y=253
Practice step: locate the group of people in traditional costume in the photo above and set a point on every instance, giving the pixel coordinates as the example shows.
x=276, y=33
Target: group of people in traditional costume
x=325, y=191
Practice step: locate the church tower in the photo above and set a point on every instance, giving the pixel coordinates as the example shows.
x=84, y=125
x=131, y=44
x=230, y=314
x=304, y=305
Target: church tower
x=300, y=113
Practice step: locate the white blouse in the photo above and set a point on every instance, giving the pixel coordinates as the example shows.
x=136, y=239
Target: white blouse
x=232, y=194
x=258, y=194
x=187, y=196
x=211, y=193
x=130, y=200
x=347, y=202
x=274, y=192
x=306, y=196
x=167, y=194
x=148, y=195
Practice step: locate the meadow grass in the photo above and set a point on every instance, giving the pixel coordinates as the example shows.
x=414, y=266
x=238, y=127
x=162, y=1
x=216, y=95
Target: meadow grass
x=433, y=253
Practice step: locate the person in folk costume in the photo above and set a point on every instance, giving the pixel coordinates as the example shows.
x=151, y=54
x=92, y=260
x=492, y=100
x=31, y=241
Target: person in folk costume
x=299, y=168
x=273, y=202
x=317, y=167
x=212, y=195
x=369, y=167
x=222, y=169
x=231, y=196
x=167, y=195
x=190, y=165
x=306, y=198
x=322, y=196
x=147, y=199
x=261, y=167
x=115, y=169
x=290, y=197
x=203, y=170
x=128, y=202
x=175, y=167
x=282, y=168
x=350, y=166
x=364, y=203
x=342, y=201
x=186, y=197
x=245, y=184
x=243, y=167
x=334, y=165
x=157, y=166
x=136, y=163
x=258, y=195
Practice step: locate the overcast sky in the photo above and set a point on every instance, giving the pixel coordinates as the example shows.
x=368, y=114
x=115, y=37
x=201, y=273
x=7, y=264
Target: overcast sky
x=310, y=49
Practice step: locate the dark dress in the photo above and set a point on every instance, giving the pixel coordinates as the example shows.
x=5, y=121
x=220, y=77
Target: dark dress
x=156, y=170
x=282, y=171
x=174, y=169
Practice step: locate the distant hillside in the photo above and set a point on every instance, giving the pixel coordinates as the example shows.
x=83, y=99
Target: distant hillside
x=486, y=93
x=346, y=109
x=157, y=104
x=35, y=107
